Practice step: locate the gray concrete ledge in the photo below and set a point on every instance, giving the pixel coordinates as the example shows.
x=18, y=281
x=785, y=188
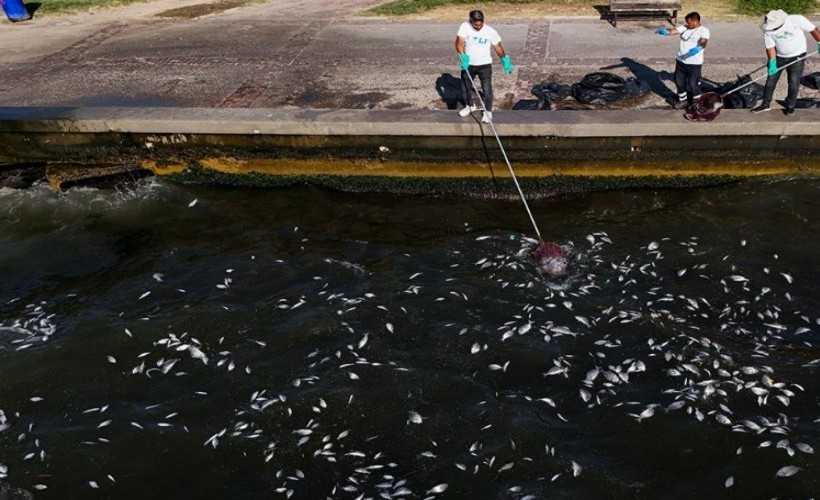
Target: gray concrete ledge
x=410, y=151
x=402, y=123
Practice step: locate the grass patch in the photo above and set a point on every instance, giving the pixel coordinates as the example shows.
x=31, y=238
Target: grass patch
x=404, y=7
x=454, y=10
x=760, y=7
x=62, y=6
x=203, y=9
x=69, y=6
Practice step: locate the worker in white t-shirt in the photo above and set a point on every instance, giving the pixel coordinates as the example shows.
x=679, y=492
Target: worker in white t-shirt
x=473, y=42
x=688, y=64
x=785, y=43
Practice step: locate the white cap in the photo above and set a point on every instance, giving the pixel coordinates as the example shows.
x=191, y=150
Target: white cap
x=773, y=20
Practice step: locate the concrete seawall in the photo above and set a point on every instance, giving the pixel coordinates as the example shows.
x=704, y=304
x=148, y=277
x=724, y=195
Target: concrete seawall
x=418, y=151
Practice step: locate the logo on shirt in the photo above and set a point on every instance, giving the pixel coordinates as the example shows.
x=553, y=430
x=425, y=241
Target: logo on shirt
x=783, y=36
x=480, y=40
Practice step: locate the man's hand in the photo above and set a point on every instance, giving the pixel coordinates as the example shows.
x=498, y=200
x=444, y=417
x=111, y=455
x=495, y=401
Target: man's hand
x=507, y=65
x=662, y=31
x=465, y=61
x=772, y=67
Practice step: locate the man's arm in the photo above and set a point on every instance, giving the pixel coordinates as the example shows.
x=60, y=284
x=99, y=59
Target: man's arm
x=499, y=50
x=666, y=31
x=703, y=41
x=815, y=33
x=459, y=45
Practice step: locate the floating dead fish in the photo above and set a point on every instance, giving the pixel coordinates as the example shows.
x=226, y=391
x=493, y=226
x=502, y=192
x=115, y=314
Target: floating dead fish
x=414, y=418
x=439, y=488
x=788, y=471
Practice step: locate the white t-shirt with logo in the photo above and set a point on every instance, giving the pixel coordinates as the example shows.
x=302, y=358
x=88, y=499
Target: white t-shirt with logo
x=789, y=40
x=689, y=40
x=477, y=43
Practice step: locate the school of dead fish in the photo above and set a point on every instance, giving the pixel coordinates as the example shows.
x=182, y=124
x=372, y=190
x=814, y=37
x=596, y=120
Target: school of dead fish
x=675, y=340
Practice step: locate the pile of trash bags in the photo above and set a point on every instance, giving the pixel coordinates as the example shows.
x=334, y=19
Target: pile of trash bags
x=602, y=88
x=595, y=88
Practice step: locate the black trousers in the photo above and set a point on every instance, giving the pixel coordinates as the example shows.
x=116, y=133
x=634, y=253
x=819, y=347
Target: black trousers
x=795, y=71
x=687, y=79
x=485, y=74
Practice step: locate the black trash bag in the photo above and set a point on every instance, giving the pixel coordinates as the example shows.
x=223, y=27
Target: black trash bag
x=745, y=98
x=606, y=88
x=636, y=88
x=527, y=105
x=547, y=93
x=551, y=91
x=734, y=101
x=811, y=81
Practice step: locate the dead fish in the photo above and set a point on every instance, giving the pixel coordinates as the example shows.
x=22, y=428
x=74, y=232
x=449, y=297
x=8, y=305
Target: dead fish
x=415, y=418
x=787, y=471
x=439, y=488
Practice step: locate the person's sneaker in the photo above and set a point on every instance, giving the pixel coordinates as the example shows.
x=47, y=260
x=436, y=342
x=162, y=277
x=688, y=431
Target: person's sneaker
x=788, y=111
x=763, y=107
x=466, y=110
x=680, y=105
x=487, y=117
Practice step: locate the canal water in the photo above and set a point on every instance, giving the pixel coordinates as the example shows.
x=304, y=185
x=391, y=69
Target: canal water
x=167, y=341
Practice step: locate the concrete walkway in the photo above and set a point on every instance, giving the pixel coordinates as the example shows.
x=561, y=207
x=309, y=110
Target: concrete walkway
x=293, y=91
x=320, y=54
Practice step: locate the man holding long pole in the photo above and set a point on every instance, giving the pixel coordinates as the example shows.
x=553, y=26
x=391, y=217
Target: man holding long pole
x=785, y=43
x=473, y=43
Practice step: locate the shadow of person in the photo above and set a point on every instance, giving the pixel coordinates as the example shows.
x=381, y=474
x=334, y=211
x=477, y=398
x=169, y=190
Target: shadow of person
x=449, y=90
x=650, y=76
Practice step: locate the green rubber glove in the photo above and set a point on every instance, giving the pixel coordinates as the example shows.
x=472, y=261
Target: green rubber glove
x=507, y=64
x=772, y=67
x=465, y=61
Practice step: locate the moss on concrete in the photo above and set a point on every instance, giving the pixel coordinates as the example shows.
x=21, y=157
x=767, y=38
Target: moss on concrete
x=464, y=186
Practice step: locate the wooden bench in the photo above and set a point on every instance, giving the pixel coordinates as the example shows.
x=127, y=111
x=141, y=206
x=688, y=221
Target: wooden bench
x=664, y=8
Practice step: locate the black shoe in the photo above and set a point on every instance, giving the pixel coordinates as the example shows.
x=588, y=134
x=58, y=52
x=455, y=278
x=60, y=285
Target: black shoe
x=788, y=111
x=680, y=105
x=763, y=107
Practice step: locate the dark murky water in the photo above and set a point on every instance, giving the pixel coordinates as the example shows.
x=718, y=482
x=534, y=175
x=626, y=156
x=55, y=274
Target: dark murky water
x=175, y=342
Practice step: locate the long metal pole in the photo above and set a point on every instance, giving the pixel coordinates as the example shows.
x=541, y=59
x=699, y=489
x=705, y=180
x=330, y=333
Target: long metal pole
x=503, y=153
x=766, y=75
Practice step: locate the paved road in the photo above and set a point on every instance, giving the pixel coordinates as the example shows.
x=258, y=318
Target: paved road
x=320, y=54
